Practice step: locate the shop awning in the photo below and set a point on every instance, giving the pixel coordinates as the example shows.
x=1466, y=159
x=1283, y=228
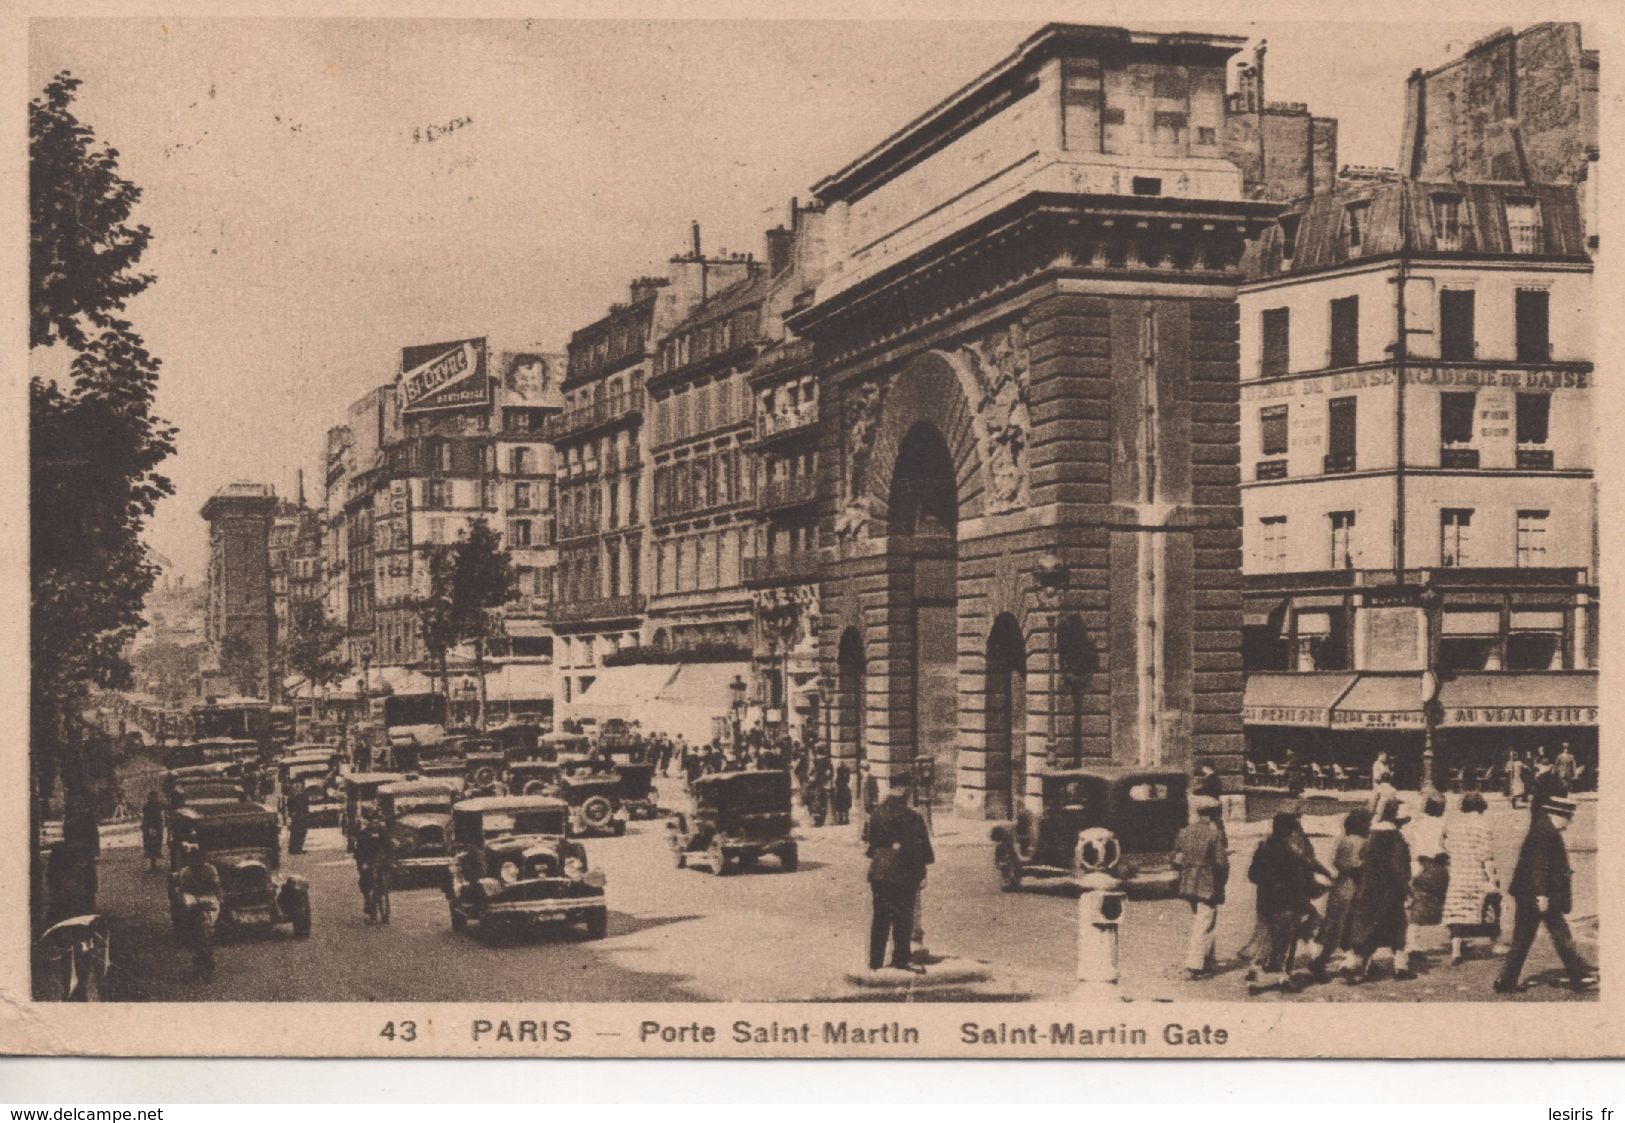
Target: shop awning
x=520, y=682
x=1515, y=699
x=1381, y=702
x=400, y=680
x=1303, y=699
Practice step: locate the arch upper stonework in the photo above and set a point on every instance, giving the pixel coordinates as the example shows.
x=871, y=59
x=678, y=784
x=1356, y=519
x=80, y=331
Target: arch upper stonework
x=930, y=388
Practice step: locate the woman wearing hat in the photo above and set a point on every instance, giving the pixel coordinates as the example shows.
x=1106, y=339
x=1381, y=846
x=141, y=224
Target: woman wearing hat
x=1430, y=872
x=1335, y=929
x=1285, y=882
x=1473, y=876
x=1379, y=902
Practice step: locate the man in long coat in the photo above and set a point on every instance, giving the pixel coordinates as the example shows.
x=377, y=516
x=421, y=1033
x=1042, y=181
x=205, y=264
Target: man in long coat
x=1203, y=862
x=1542, y=887
x=899, y=851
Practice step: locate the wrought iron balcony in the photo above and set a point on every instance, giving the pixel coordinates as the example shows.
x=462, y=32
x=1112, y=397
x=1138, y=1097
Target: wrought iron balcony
x=782, y=569
x=788, y=493
x=1336, y=462
x=1535, y=459
x=1270, y=470
x=587, y=418
x=600, y=608
x=781, y=422
x=1458, y=457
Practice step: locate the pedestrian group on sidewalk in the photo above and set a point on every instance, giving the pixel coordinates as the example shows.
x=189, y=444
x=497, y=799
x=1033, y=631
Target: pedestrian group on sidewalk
x=1391, y=879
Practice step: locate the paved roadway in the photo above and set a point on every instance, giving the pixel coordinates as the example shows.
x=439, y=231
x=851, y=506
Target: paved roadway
x=687, y=935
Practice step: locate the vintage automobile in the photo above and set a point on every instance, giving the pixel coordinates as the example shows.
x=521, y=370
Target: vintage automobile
x=202, y=774
x=199, y=792
x=233, y=749
x=482, y=765
x=621, y=740
x=324, y=804
x=636, y=792
x=360, y=793
x=1145, y=809
x=517, y=740
x=564, y=746
x=417, y=814
x=243, y=846
x=737, y=817
x=512, y=863
x=446, y=769
x=592, y=788
x=533, y=777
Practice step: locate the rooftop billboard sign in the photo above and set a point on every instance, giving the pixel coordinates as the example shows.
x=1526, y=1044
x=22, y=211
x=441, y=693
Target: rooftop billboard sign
x=438, y=376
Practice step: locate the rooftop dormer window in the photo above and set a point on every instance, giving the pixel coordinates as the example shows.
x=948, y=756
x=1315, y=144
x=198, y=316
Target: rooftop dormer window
x=1447, y=222
x=1289, y=236
x=1523, y=225
x=1356, y=219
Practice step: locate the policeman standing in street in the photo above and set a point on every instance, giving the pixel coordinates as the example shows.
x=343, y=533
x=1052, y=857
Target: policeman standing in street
x=899, y=852
x=1542, y=886
x=298, y=818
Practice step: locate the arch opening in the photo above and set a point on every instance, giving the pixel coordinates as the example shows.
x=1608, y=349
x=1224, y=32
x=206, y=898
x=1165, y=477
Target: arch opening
x=1006, y=728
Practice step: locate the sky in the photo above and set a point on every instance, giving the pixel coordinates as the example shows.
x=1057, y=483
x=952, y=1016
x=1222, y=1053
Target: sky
x=324, y=192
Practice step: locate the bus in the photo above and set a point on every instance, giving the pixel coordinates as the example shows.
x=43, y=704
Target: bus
x=414, y=725
x=238, y=719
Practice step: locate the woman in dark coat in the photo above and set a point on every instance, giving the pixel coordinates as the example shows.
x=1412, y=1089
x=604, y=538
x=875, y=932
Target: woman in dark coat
x=1335, y=930
x=1285, y=886
x=1379, y=901
x=841, y=799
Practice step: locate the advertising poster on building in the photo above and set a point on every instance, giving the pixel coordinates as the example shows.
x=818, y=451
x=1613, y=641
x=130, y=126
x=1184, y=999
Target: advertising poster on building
x=439, y=376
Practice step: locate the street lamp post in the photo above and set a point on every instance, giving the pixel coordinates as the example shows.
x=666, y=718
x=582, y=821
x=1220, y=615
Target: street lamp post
x=1431, y=600
x=1052, y=578
x=737, y=688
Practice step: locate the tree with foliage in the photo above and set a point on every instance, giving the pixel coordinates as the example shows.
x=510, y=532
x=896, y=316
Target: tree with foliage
x=483, y=579
x=315, y=645
x=170, y=670
x=96, y=444
x=435, y=610
x=240, y=662
x=81, y=246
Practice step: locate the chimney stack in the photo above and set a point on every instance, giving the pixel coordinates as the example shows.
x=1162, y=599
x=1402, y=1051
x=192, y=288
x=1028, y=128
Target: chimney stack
x=696, y=230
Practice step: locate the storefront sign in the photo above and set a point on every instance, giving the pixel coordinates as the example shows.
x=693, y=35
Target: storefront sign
x=444, y=376
x=1476, y=378
x=1377, y=719
x=1520, y=715
x=1317, y=717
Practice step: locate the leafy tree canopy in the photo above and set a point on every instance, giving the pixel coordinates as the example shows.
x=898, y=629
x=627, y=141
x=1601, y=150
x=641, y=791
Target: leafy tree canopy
x=82, y=248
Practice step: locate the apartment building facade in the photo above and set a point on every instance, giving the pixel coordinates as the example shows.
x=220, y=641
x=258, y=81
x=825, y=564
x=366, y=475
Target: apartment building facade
x=1417, y=488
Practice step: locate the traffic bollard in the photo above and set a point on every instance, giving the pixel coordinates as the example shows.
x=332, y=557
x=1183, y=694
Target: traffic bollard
x=1100, y=910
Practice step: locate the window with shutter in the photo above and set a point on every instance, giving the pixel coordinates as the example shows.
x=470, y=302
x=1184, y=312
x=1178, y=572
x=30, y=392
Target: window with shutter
x=1272, y=426
x=1341, y=436
x=1533, y=313
x=1276, y=324
x=1345, y=333
x=1454, y=527
x=1456, y=334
